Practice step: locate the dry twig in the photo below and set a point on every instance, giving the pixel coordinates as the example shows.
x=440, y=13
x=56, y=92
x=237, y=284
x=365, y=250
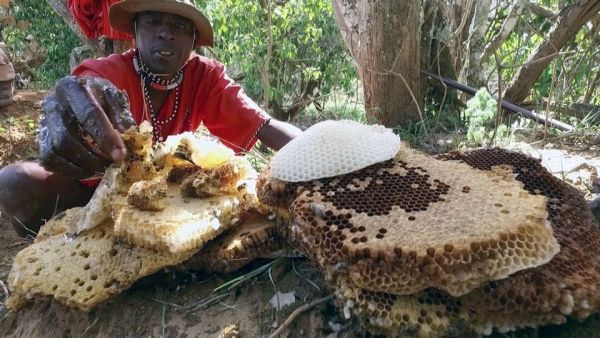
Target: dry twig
x=297, y=313
x=5, y=289
x=90, y=326
x=499, y=112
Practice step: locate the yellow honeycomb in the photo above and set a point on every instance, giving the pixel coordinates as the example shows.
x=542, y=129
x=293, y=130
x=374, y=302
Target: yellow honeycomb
x=82, y=271
x=137, y=223
x=184, y=224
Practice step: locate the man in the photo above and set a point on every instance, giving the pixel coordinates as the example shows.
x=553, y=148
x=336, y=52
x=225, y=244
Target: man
x=166, y=83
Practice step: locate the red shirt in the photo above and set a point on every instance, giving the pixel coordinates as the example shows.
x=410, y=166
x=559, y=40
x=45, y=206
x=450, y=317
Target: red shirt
x=207, y=96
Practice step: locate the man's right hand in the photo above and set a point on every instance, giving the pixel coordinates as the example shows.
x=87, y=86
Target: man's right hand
x=81, y=125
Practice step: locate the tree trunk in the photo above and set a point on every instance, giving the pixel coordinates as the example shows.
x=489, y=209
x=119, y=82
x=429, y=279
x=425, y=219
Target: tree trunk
x=383, y=37
x=568, y=23
x=472, y=72
x=459, y=14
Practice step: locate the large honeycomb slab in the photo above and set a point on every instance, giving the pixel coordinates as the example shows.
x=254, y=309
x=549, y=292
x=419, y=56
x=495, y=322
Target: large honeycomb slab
x=138, y=222
x=569, y=283
x=82, y=271
x=548, y=294
x=184, y=224
x=415, y=222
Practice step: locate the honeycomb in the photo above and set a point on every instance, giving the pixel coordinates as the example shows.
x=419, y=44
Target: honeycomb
x=58, y=224
x=137, y=222
x=138, y=166
x=254, y=238
x=565, y=286
x=332, y=148
x=99, y=266
x=415, y=222
x=219, y=180
x=139, y=162
x=148, y=195
x=430, y=313
x=568, y=284
x=184, y=224
x=178, y=168
x=156, y=198
x=98, y=209
x=138, y=140
x=205, y=152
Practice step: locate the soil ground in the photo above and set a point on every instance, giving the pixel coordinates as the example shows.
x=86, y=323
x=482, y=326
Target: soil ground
x=172, y=303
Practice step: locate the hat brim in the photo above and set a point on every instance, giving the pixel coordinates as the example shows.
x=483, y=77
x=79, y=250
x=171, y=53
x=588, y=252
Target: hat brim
x=121, y=15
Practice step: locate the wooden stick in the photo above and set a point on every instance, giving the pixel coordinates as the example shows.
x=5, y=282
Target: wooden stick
x=539, y=118
x=298, y=312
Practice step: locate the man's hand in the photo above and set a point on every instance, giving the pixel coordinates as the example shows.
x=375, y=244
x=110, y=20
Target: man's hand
x=81, y=125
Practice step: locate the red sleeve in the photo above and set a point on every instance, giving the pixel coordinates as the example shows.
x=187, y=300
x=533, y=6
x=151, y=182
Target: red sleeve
x=89, y=73
x=230, y=114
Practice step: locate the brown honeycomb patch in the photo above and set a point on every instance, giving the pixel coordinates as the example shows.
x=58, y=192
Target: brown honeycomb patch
x=254, y=238
x=216, y=181
x=430, y=313
x=148, y=195
x=178, y=168
x=568, y=284
x=547, y=294
x=401, y=228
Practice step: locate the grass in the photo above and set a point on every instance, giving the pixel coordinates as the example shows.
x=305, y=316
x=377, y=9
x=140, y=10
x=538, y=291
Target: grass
x=234, y=283
x=338, y=105
x=350, y=106
x=224, y=290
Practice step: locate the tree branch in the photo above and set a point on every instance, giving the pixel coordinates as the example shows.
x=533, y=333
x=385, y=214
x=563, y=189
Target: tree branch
x=569, y=22
x=540, y=11
x=507, y=27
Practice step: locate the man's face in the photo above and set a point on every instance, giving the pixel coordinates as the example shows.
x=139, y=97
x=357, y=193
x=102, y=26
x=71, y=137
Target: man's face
x=164, y=41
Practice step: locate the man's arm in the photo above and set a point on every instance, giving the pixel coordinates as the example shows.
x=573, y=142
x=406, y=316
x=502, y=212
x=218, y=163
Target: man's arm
x=275, y=134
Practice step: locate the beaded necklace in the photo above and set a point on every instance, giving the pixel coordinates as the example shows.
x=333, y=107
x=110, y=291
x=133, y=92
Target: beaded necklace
x=148, y=79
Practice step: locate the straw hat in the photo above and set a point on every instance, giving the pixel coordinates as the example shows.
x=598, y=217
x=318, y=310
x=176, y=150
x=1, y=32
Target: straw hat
x=122, y=13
